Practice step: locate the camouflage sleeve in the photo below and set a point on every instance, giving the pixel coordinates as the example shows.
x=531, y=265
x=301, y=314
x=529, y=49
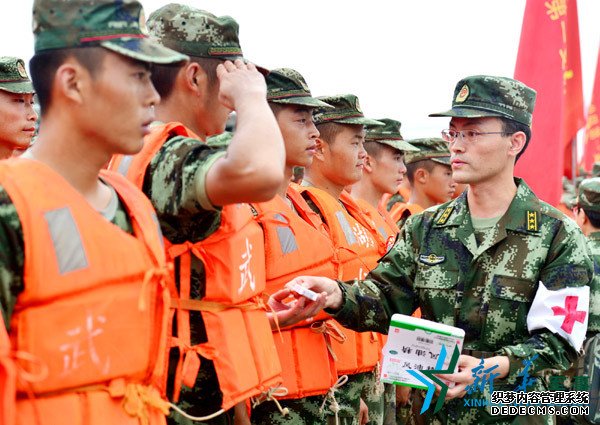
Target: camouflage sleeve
x=388, y=289
x=11, y=256
x=567, y=265
x=594, y=321
x=176, y=177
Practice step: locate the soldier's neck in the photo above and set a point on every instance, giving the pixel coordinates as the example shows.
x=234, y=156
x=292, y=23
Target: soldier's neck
x=491, y=198
x=366, y=191
x=171, y=110
x=319, y=181
x=418, y=197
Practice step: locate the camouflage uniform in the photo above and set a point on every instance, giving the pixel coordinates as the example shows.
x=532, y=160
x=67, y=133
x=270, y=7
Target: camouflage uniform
x=174, y=182
x=485, y=288
x=589, y=200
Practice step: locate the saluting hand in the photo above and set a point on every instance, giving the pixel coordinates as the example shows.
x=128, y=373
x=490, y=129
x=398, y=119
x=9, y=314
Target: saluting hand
x=240, y=82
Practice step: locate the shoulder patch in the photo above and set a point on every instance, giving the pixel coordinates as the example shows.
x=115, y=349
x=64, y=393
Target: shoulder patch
x=532, y=221
x=431, y=259
x=445, y=215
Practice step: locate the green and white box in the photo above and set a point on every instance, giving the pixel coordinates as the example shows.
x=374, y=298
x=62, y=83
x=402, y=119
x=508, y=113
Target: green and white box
x=416, y=344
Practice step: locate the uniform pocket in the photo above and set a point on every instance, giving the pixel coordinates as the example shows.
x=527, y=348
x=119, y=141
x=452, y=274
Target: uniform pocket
x=436, y=288
x=505, y=314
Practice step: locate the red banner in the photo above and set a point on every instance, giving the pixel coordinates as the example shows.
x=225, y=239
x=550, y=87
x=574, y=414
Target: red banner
x=549, y=61
x=591, y=151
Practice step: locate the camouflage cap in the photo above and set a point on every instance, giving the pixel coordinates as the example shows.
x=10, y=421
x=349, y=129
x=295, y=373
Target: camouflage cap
x=389, y=134
x=346, y=110
x=486, y=96
x=287, y=86
x=433, y=148
x=117, y=25
x=196, y=32
x=13, y=76
x=589, y=194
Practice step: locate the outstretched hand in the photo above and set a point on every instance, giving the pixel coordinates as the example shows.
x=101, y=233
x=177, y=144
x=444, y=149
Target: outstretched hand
x=296, y=309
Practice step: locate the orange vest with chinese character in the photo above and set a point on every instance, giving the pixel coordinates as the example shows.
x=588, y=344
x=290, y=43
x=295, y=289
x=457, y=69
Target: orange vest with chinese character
x=358, y=253
x=385, y=229
x=296, y=244
x=94, y=309
x=240, y=342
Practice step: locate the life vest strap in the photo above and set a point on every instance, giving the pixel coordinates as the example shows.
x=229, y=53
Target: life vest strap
x=271, y=395
x=333, y=403
x=255, y=303
x=329, y=330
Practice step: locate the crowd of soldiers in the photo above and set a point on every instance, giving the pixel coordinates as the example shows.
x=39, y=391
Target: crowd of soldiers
x=150, y=260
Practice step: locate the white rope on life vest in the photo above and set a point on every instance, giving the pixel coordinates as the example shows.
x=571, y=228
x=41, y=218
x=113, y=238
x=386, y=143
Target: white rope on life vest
x=270, y=395
x=196, y=418
x=333, y=403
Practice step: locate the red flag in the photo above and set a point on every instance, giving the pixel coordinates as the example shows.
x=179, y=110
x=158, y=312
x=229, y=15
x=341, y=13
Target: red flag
x=549, y=61
x=591, y=151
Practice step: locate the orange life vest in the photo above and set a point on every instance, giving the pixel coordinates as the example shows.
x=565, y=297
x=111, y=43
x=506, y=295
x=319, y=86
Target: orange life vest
x=358, y=253
x=94, y=308
x=296, y=244
x=8, y=380
x=240, y=341
x=402, y=210
x=386, y=229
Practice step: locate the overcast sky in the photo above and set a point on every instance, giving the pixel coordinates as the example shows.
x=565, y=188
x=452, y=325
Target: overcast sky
x=401, y=57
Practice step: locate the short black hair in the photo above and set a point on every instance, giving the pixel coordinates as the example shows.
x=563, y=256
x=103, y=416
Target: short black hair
x=43, y=67
x=510, y=127
x=163, y=76
x=329, y=131
x=593, y=217
x=412, y=168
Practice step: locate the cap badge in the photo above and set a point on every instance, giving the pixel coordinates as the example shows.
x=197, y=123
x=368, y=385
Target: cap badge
x=462, y=94
x=357, y=106
x=21, y=69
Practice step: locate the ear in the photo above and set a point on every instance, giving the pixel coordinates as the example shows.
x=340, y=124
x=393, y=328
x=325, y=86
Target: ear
x=70, y=81
x=421, y=175
x=194, y=78
x=320, y=148
x=368, y=166
x=517, y=143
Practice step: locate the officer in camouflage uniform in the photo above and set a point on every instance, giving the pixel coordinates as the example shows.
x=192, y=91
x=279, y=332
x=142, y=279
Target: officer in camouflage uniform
x=187, y=180
x=476, y=261
x=17, y=116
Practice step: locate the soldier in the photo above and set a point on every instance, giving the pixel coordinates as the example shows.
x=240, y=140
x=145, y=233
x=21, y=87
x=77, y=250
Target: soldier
x=429, y=176
x=586, y=211
x=223, y=350
x=383, y=172
x=338, y=163
x=17, y=116
x=82, y=269
x=485, y=262
x=296, y=243
x=587, y=216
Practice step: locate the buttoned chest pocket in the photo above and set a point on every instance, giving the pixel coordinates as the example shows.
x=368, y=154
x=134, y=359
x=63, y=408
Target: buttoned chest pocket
x=505, y=314
x=436, y=288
